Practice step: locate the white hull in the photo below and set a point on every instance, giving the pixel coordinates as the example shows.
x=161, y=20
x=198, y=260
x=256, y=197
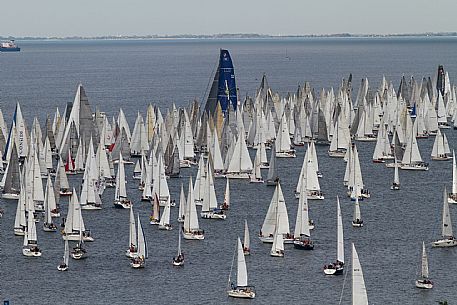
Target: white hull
x=192, y=236
x=212, y=215
x=395, y=187
x=285, y=154
x=444, y=158
x=357, y=224
x=91, y=207
x=237, y=175
x=277, y=253
x=75, y=237
x=413, y=167
x=255, y=180
x=62, y=268
x=19, y=232
x=366, y=139
x=269, y=240
x=77, y=255
x=10, y=196
x=336, y=153
x=420, y=284
x=444, y=243
x=452, y=198
x=27, y=252
x=165, y=227
x=65, y=193
x=122, y=204
x=241, y=293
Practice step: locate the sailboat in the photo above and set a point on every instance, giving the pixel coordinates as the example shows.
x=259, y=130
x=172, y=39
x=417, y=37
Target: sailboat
x=448, y=239
x=302, y=233
x=30, y=246
x=357, y=218
x=223, y=89
x=191, y=229
x=154, y=218
x=412, y=159
x=440, y=150
x=210, y=208
x=424, y=282
x=63, y=266
x=132, y=250
x=137, y=170
x=79, y=251
x=337, y=267
x=74, y=224
x=256, y=174
x=452, y=197
x=164, y=223
x=182, y=205
x=276, y=221
x=359, y=291
x=246, y=239
x=226, y=204
x=396, y=182
x=277, y=248
x=138, y=260
x=48, y=225
x=179, y=259
x=120, y=196
x=241, y=289
x=272, y=176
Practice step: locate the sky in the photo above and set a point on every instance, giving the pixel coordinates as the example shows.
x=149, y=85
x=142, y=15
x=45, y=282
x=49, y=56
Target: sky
x=63, y=18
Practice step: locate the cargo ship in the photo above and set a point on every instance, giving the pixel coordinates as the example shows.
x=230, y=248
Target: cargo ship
x=9, y=46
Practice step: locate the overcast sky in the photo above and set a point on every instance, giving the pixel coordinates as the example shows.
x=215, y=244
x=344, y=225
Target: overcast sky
x=277, y=17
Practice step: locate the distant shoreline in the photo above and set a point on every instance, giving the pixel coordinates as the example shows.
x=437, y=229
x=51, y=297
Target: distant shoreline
x=232, y=36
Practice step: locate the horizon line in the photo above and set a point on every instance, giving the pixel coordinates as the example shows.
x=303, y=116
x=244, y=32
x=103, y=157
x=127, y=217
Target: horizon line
x=237, y=35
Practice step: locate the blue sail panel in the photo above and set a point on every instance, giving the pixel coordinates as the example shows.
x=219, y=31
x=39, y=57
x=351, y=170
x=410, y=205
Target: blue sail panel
x=226, y=92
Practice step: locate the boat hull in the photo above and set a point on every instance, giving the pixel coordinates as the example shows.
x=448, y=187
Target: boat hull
x=165, y=227
x=445, y=243
x=212, y=215
x=62, y=267
x=276, y=253
x=10, y=196
x=192, y=236
x=424, y=285
x=241, y=293
x=29, y=253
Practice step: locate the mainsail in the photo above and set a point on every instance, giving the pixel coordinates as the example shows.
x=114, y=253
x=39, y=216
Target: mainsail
x=223, y=89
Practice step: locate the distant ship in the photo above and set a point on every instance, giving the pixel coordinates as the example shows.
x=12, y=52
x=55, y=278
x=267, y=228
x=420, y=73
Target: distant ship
x=9, y=46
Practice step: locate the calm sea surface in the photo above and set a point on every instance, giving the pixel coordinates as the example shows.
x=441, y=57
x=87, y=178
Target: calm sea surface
x=132, y=74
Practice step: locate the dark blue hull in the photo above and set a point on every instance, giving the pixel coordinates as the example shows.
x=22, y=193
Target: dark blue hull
x=10, y=49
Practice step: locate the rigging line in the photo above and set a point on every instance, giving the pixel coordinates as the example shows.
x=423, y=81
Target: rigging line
x=231, y=267
x=342, y=289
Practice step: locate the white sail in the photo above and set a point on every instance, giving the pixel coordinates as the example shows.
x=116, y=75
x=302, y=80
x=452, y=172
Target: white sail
x=340, y=237
x=240, y=161
x=412, y=154
x=256, y=173
x=142, y=247
x=424, y=269
x=132, y=229
x=31, y=228
x=302, y=221
x=246, y=239
x=182, y=204
x=190, y=218
x=357, y=215
x=209, y=198
x=165, y=219
x=359, y=291
x=396, y=174
x=227, y=193
x=49, y=197
x=66, y=253
x=276, y=215
x=447, y=224
x=242, y=273
x=454, y=174
x=121, y=191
